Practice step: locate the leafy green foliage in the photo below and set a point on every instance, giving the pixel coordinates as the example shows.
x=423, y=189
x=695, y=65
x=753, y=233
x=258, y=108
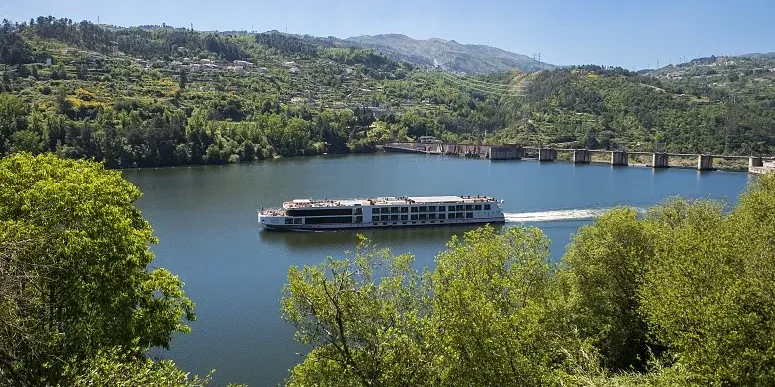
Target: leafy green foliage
x=612, y=108
x=102, y=100
x=680, y=296
x=144, y=43
x=373, y=320
x=366, y=316
x=606, y=264
x=13, y=49
x=117, y=368
x=76, y=251
x=490, y=304
x=707, y=294
x=138, y=88
x=13, y=118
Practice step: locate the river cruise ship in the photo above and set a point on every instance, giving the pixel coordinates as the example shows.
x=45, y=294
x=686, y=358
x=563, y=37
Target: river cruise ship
x=404, y=211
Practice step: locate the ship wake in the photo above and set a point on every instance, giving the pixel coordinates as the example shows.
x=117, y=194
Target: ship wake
x=557, y=215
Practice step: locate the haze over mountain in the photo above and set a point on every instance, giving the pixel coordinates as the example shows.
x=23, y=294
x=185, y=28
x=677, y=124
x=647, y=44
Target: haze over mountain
x=760, y=55
x=449, y=54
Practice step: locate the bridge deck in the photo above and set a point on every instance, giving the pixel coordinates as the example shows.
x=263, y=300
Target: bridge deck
x=516, y=152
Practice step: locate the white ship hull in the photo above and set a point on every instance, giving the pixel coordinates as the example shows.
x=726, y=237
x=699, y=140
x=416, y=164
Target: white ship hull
x=313, y=227
x=418, y=211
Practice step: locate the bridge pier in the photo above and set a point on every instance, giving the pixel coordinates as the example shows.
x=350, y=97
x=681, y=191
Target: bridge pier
x=582, y=156
x=506, y=152
x=704, y=162
x=754, y=161
x=619, y=158
x=660, y=160
x=547, y=154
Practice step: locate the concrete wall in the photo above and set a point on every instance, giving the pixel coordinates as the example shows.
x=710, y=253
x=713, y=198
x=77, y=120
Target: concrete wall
x=704, y=162
x=582, y=156
x=756, y=164
x=506, y=152
x=660, y=160
x=547, y=154
x=619, y=158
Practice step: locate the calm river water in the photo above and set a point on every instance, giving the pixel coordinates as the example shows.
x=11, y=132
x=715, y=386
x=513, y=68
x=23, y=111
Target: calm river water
x=205, y=218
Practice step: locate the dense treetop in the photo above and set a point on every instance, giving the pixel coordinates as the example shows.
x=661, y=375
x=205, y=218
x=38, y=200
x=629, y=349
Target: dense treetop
x=81, y=303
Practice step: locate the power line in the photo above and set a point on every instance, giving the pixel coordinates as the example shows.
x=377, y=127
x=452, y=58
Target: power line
x=485, y=89
x=466, y=83
x=489, y=85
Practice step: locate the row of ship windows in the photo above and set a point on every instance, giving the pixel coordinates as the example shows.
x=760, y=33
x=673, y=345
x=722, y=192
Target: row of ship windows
x=395, y=223
x=381, y=218
x=420, y=209
x=458, y=215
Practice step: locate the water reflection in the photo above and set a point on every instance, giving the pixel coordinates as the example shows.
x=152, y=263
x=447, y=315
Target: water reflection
x=394, y=237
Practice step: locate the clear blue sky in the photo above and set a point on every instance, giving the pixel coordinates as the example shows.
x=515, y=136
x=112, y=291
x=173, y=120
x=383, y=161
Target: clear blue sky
x=627, y=33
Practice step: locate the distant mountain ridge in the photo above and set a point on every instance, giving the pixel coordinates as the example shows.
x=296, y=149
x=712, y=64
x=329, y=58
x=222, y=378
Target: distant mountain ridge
x=449, y=54
x=760, y=55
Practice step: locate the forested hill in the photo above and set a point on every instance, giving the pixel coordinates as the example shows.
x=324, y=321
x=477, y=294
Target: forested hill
x=167, y=96
x=449, y=54
x=158, y=95
x=718, y=105
x=432, y=53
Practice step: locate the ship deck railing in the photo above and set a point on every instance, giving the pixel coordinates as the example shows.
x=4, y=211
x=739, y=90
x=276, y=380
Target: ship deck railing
x=272, y=212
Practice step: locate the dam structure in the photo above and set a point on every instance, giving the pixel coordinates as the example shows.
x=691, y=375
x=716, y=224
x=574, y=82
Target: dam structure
x=657, y=160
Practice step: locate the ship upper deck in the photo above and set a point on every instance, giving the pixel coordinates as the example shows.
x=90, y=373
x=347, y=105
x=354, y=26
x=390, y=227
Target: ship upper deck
x=384, y=201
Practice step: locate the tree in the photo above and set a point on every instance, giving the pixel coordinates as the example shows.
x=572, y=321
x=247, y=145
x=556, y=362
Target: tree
x=606, y=263
x=13, y=114
x=183, y=79
x=19, y=331
x=62, y=103
x=22, y=71
x=26, y=141
x=708, y=294
x=82, y=72
x=365, y=315
x=491, y=307
x=13, y=49
x=681, y=296
x=59, y=72
x=114, y=367
x=79, y=255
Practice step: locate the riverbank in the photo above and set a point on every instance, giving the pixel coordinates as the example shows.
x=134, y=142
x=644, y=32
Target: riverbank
x=635, y=160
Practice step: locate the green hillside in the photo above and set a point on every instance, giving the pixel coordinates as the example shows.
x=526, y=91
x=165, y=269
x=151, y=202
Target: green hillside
x=164, y=96
x=688, y=108
x=158, y=95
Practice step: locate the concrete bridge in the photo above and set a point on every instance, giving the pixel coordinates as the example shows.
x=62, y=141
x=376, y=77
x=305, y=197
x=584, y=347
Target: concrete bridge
x=704, y=162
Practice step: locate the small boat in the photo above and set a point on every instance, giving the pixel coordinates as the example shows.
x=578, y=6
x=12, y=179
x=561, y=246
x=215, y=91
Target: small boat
x=404, y=211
